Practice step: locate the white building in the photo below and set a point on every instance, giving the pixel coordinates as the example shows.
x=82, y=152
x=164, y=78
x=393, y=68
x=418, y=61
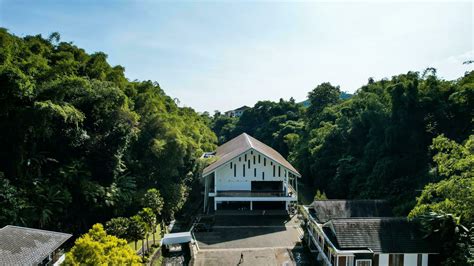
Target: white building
x=237, y=112
x=248, y=174
x=364, y=233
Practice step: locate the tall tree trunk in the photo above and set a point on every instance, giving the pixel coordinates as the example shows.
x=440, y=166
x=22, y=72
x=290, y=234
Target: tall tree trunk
x=147, y=244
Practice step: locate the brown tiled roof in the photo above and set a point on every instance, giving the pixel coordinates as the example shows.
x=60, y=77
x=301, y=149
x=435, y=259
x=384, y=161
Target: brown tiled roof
x=241, y=144
x=325, y=210
x=28, y=246
x=381, y=235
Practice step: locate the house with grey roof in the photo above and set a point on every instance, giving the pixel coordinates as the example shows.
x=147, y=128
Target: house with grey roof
x=365, y=233
x=29, y=246
x=237, y=112
x=247, y=174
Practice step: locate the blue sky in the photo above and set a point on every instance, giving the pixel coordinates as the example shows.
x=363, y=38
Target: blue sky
x=222, y=55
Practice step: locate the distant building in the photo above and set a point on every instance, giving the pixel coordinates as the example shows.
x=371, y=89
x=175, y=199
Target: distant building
x=248, y=174
x=364, y=233
x=237, y=112
x=28, y=246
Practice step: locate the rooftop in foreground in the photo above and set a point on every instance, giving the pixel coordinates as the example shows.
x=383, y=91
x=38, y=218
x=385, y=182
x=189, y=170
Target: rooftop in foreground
x=28, y=246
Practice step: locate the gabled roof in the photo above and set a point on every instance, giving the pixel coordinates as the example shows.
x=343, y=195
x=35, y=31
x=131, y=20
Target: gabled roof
x=28, y=246
x=241, y=144
x=381, y=235
x=325, y=210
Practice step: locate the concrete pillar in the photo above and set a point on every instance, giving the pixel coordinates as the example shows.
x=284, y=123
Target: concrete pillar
x=251, y=205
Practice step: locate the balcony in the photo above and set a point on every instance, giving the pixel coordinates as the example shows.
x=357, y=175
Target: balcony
x=257, y=194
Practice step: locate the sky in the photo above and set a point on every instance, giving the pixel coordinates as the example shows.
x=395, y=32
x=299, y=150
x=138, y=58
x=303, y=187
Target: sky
x=222, y=55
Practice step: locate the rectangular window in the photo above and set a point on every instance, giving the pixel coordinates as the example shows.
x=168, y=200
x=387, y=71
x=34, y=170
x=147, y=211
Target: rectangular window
x=264, y=161
x=245, y=157
x=273, y=171
x=243, y=170
x=254, y=159
x=363, y=262
x=251, y=152
x=263, y=175
x=230, y=165
x=271, y=163
x=255, y=172
x=279, y=171
x=259, y=158
x=240, y=159
x=395, y=260
x=248, y=163
x=235, y=171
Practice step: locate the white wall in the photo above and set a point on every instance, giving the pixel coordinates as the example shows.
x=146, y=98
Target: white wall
x=383, y=260
x=424, y=261
x=410, y=259
x=225, y=179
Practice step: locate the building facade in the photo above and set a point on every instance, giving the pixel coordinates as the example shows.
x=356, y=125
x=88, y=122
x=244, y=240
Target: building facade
x=247, y=174
x=352, y=233
x=237, y=112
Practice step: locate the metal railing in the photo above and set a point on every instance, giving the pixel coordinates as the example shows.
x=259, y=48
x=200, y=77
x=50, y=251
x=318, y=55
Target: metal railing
x=240, y=193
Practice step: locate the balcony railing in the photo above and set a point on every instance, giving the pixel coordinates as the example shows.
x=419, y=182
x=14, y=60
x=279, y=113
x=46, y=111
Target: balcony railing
x=240, y=193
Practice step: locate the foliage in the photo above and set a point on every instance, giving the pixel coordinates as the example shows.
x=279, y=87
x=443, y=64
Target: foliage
x=153, y=200
x=456, y=241
x=137, y=228
x=320, y=196
x=98, y=248
x=80, y=143
x=454, y=193
x=118, y=227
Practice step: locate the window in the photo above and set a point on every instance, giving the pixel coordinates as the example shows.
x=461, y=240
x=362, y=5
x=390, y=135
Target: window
x=251, y=152
x=240, y=159
x=263, y=175
x=264, y=161
x=245, y=157
x=254, y=159
x=279, y=171
x=230, y=165
x=248, y=162
x=243, y=170
x=255, y=172
x=235, y=171
x=259, y=158
x=273, y=171
x=363, y=262
x=395, y=260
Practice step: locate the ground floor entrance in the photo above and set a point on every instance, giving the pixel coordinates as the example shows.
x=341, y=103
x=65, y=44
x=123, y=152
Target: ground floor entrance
x=251, y=205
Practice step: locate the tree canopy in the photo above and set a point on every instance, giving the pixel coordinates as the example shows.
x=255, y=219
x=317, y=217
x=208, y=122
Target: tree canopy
x=80, y=143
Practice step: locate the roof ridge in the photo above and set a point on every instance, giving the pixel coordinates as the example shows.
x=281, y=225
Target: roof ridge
x=34, y=229
x=248, y=140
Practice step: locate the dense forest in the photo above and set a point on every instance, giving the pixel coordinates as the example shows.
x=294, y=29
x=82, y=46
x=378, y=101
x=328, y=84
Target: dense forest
x=80, y=144
x=408, y=139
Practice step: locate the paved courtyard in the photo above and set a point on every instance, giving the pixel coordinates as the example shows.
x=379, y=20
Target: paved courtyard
x=263, y=240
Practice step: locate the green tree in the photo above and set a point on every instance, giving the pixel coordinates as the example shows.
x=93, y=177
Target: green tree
x=98, y=248
x=118, y=227
x=136, y=229
x=149, y=218
x=153, y=200
x=454, y=194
